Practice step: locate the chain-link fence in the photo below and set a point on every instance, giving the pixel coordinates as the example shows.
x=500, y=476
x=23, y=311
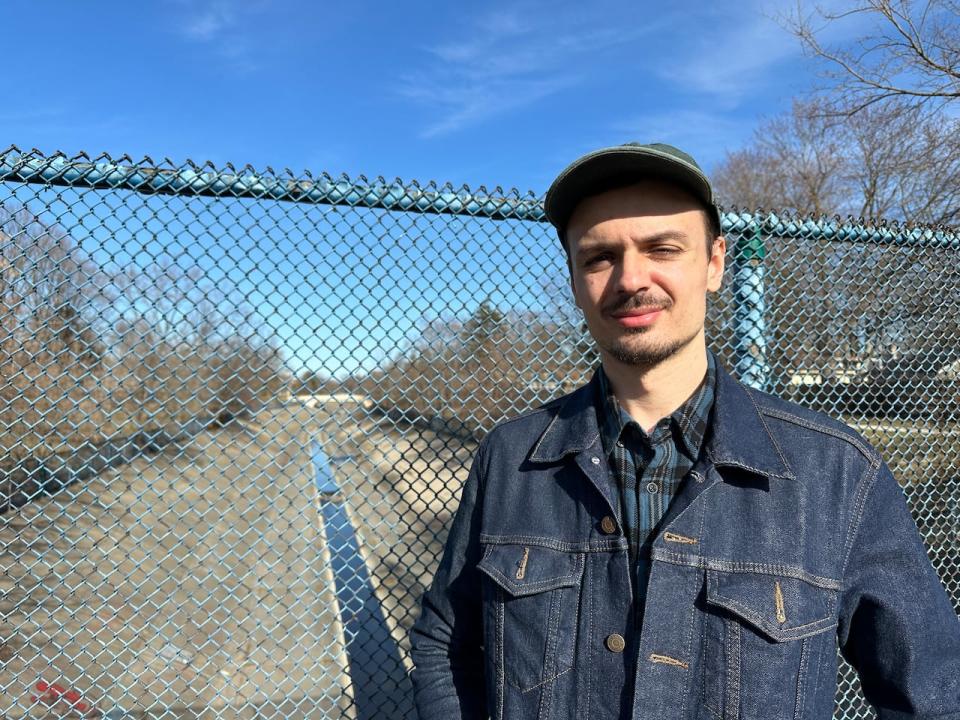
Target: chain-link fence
x=238, y=408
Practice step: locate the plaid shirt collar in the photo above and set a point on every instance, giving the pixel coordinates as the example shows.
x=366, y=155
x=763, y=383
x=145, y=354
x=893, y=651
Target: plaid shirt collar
x=688, y=422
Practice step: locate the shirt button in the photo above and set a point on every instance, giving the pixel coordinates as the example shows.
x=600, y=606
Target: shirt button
x=608, y=525
x=653, y=488
x=619, y=443
x=595, y=460
x=615, y=643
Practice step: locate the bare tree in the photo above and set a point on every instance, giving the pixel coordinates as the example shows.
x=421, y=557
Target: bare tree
x=795, y=163
x=891, y=160
x=53, y=296
x=904, y=163
x=911, y=51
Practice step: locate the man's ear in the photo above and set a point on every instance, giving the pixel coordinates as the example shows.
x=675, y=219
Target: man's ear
x=573, y=292
x=573, y=287
x=716, y=263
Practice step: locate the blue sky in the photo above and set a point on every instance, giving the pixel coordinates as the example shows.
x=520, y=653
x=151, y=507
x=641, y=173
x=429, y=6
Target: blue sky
x=500, y=93
x=493, y=94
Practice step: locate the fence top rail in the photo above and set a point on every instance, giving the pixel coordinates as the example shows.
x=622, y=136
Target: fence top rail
x=190, y=179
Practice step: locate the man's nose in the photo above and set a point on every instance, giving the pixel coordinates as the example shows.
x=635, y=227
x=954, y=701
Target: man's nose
x=634, y=274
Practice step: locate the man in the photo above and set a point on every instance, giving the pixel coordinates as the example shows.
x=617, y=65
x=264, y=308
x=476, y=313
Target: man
x=666, y=543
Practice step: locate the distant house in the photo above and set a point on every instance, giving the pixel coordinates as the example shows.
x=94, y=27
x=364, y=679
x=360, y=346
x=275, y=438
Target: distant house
x=816, y=377
x=950, y=371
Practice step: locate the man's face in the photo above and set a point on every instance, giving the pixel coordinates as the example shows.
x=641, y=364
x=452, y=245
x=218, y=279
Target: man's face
x=640, y=271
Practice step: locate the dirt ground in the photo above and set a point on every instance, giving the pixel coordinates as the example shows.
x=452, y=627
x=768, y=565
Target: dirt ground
x=192, y=583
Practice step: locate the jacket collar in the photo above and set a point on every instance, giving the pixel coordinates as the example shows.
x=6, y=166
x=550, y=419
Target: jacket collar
x=737, y=436
x=573, y=428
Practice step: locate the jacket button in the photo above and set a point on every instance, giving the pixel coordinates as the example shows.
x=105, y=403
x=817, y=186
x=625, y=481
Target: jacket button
x=608, y=525
x=615, y=643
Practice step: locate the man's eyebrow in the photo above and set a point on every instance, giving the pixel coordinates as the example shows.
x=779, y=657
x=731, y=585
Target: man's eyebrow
x=665, y=235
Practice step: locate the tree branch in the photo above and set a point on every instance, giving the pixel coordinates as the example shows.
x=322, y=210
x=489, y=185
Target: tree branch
x=914, y=53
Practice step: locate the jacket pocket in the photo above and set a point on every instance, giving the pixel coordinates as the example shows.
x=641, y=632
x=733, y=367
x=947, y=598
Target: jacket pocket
x=531, y=611
x=763, y=637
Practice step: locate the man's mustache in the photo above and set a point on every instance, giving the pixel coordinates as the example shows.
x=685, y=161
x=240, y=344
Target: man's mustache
x=633, y=303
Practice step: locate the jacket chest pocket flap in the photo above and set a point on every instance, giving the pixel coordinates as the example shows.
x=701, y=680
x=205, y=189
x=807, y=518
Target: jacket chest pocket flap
x=762, y=636
x=531, y=610
x=781, y=608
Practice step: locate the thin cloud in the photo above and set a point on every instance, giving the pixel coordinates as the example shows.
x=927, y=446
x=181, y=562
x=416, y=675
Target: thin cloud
x=209, y=24
x=744, y=50
x=223, y=26
x=470, y=105
x=705, y=134
x=749, y=46
x=205, y=21
x=505, y=62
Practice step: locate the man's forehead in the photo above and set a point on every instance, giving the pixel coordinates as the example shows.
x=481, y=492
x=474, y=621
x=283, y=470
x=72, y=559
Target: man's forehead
x=653, y=210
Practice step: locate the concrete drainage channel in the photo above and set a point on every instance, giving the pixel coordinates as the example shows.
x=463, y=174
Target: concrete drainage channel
x=381, y=688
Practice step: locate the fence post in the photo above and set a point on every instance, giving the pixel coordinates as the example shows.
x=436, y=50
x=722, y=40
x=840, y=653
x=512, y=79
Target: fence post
x=750, y=307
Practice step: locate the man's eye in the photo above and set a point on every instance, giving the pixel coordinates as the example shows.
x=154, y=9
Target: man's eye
x=596, y=259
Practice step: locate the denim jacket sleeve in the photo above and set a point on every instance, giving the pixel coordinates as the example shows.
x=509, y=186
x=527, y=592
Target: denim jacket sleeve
x=897, y=626
x=447, y=639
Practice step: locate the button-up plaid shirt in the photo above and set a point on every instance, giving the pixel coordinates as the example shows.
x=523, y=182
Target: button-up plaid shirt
x=648, y=470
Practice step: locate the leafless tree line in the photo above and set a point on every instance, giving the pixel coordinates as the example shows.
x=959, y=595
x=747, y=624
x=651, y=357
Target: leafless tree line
x=469, y=374
x=88, y=352
x=889, y=161
x=880, y=140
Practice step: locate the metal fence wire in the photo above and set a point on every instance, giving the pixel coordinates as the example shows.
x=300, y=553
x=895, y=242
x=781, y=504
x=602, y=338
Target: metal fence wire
x=238, y=407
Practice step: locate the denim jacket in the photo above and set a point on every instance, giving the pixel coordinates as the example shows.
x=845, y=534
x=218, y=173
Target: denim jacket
x=790, y=538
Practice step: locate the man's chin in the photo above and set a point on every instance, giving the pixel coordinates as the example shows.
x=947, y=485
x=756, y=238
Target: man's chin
x=645, y=357
x=643, y=353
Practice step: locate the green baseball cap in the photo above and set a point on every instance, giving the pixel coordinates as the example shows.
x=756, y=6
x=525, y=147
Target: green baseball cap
x=613, y=167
